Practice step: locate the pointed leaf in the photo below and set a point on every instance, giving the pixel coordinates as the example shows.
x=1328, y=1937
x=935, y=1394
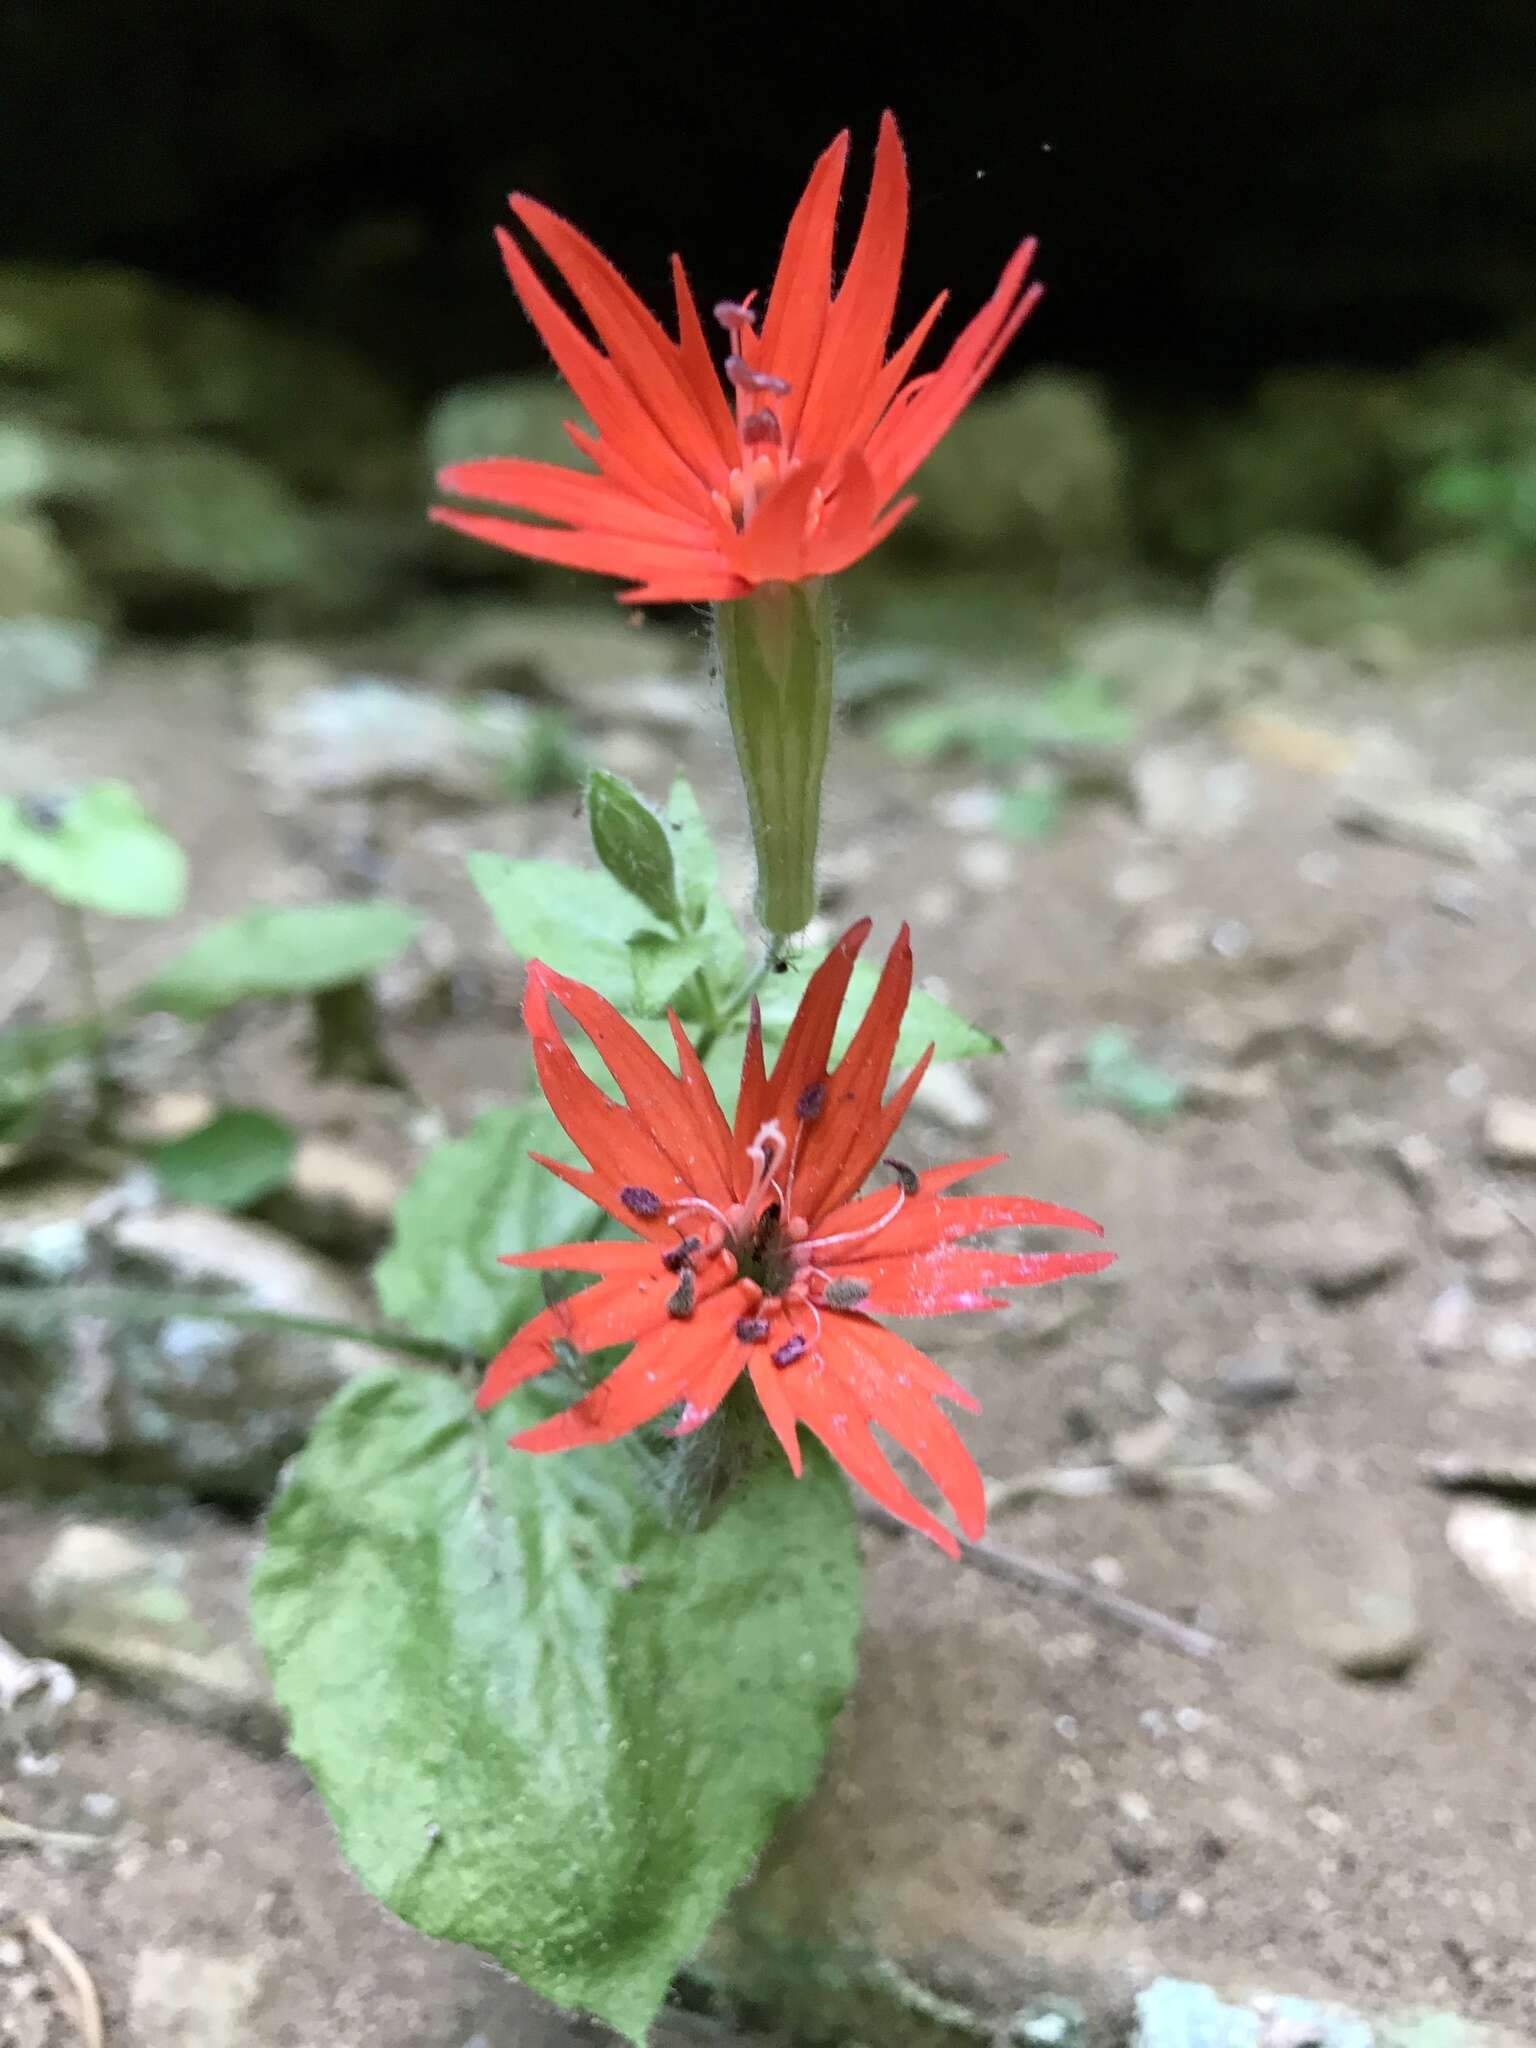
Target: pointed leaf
x=229, y=1162
x=470, y=1203
x=632, y=844
x=544, y=1721
x=292, y=950
x=99, y=849
x=693, y=851
x=927, y=1021
x=577, y=920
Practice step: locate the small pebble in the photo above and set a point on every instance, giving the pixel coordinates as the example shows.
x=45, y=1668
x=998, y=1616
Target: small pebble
x=1447, y=1331
x=1500, y=1274
x=1260, y=1379
x=1509, y=1132
x=1472, y=1222
x=1356, y=1260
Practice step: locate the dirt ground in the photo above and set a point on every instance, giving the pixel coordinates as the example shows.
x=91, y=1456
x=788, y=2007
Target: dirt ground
x=1344, y=1010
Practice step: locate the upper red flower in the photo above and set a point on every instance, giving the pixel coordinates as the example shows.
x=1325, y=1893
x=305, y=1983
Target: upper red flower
x=753, y=1250
x=693, y=498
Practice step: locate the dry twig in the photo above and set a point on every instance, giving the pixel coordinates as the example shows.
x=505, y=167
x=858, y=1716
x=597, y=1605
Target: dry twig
x=1036, y=1572
x=87, y=2001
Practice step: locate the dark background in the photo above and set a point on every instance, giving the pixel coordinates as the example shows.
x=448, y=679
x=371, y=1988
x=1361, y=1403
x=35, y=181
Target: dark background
x=1219, y=187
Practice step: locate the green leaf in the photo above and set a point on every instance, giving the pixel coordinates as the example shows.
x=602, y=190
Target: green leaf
x=1077, y=711
x=632, y=844
x=661, y=963
x=544, y=1721
x=1114, y=1075
x=576, y=920
x=927, y=1022
x=1033, y=812
x=294, y=950
x=99, y=849
x=693, y=852
x=229, y=1162
x=469, y=1203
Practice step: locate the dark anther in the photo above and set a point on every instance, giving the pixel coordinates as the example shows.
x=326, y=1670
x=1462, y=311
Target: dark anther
x=680, y=1254
x=904, y=1174
x=762, y=428
x=640, y=1201
x=791, y=1349
x=680, y=1301
x=745, y=378
x=766, y=1228
x=43, y=813
x=812, y=1102
x=770, y=1153
x=845, y=1293
x=731, y=315
x=751, y=1329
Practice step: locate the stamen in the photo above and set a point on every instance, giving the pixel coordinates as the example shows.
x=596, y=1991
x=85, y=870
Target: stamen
x=681, y=1302
x=843, y=1293
x=745, y=378
x=640, y=1201
x=680, y=1254
x=762, y=428
x=904, y=1174
x=695, y=1202
x=792, y=1348
x=816, y=1244
x=733, y=316
x=812, y=1102
x=752, y=1329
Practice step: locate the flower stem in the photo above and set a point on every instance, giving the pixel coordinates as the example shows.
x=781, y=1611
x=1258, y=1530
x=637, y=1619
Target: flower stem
x=78, y=946
x=776, y=662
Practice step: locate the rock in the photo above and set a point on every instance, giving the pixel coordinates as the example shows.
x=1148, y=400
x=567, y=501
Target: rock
x=1369, y=1037
x=42, y=659
x=1033, y=477
x=1188, y=792
x=1447, y=1329
x=1509, y=1132
x=181, y=1998
x=1176, y=668
x=1497, y=1472
x=1501, y=1274
x=337, y=1199
x=1497, y=1544
x=951, y=1098
x=365, y=736
x=1311, y=455
x=1465, y=592
x=185, y=530
x=1258, y=1379
x=39, y=580
x=540, y=651
x=1217, y=1091
x=1355, y=1259
x=188, y=1401
x=1356, y=1594
x=1416, y=1160
x=1471, y=1222
x=1321, y=591
x=120, y=357
x=163, y=1612
x=1427, y=821
x=502, y=416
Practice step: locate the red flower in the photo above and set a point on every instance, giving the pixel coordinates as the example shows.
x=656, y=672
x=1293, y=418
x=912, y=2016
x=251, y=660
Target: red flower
x=753, y=1250
x=694, y=499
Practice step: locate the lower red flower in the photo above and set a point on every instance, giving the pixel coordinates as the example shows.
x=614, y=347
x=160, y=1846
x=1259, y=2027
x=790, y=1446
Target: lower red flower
x=753, y=1251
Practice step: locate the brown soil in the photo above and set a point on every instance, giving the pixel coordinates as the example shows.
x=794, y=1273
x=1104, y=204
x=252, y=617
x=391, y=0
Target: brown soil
x=1010, y=1763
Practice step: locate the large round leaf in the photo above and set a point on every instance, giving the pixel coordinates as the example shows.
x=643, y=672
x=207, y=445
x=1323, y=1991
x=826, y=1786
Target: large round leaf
x=545, y=1720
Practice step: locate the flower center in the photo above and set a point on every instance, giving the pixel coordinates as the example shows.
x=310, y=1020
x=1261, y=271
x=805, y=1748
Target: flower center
x=764, y=460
